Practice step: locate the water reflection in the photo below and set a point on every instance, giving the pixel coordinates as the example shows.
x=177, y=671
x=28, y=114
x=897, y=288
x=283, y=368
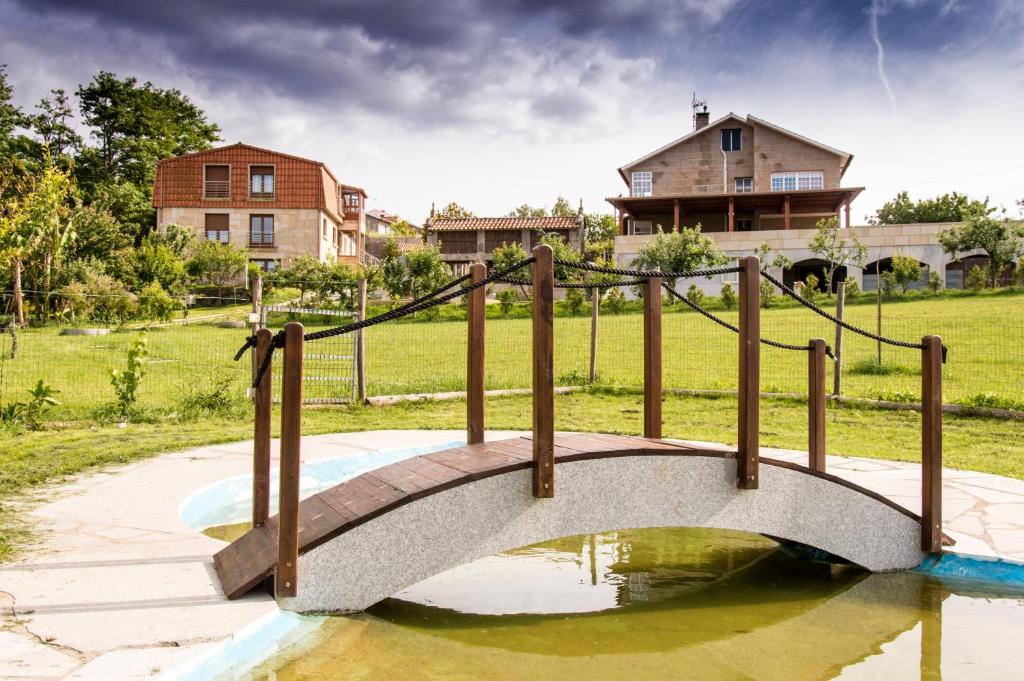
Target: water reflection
x=667, y=603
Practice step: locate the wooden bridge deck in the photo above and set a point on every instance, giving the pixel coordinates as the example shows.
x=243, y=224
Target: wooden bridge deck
x=251, y=559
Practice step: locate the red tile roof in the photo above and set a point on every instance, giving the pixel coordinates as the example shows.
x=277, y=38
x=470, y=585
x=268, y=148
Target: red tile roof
x=472, y=224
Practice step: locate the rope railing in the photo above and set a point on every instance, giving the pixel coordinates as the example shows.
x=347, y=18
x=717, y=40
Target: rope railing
x=602, y=269
x=424, y=302
x=735, y=329
x=574, y=284
x=846, y=325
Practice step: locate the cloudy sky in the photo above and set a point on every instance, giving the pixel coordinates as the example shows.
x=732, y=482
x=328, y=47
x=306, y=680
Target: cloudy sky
x=493, y=104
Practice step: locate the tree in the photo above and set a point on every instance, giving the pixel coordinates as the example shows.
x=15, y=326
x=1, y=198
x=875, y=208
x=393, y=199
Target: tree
x=425, y=270
x=453, y=211
x=527, y=211
x=217, y=264
x=682, y=251
x=11, y=116
x=562, y=208
x=764, y=254
x=135, y=125
x=1000, y=239
x=953, y=207
x=564, y=251
x=392, y=270
x=157, y=262
x=836, y=250
x=599, y=230
x=905, y=271
x=52, y=126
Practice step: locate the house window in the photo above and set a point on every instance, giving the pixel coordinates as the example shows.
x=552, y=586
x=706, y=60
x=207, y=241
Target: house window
x=217, y=182
x=261, y=231
x=794, y=181
x=744, y=224
x=642, y=183
x=266, y=264
x=744, y=184
x=731, y=139
x=217, y=228
x=348, y=245
x=261, y=182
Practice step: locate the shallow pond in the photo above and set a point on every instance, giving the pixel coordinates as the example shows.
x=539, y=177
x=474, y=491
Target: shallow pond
x=666, y=604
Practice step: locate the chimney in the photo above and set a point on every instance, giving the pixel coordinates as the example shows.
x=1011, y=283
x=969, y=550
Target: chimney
x=701, y=118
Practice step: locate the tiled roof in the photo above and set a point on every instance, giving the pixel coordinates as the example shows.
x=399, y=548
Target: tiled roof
x=473, y=224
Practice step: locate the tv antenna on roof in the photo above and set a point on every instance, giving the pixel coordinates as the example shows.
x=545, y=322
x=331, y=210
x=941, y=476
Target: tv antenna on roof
x=699, y=104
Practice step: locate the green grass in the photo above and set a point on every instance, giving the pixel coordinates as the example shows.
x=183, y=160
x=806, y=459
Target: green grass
x=984, y=333
x=30, y=460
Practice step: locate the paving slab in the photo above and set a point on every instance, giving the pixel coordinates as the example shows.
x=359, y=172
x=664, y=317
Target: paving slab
x=119, y=586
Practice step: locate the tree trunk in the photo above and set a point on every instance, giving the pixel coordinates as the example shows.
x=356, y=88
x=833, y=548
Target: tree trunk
x=19, y=303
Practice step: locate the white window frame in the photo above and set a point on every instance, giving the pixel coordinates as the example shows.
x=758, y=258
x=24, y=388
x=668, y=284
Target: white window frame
x=642, y=179
x=798, y=180
x=262, y=189
x=747, y=186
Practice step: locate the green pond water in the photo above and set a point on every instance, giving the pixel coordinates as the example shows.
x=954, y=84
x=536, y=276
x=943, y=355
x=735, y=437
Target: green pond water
x=665, y=603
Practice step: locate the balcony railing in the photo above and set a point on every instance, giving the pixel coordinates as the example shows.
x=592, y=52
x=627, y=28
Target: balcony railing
x=217, y=189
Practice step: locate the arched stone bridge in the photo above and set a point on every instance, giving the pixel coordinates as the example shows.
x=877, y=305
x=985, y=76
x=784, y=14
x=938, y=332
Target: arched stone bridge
x=373, y=535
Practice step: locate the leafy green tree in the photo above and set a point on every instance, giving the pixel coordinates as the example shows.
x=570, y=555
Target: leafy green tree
x=615, y=301
x=52, y=126
x=454, y=211
x=425, y=271
x=156, y=304
x=836, y=250
x=682, y=251
x=934, y=281
x=695, y=295
x=574, y=300
x=564, y=251
x=217, y=264
x=305, y=273
x=728, y=296
x=392, y=269
x=506, y=299
x=507, y=255
x=135, y=125
x=1001, y=239
x=905, y=271
x=780, y=260
x=953, y=207
x=11, y=118
x=562, y=208
x=98, y=234
x=527, y=211
x=157, y=262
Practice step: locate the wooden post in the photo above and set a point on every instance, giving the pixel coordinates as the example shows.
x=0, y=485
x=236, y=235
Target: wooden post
x=361, y=347
x=652, y=358
x=748, y=444
x=931, y=445
x=595, y=306
x=291, y=443
x=675, y=216
x=543, y=372
x=475, y=357
x=261, y=433
x=732, y=213
x=785, y=213
x=816, y=405
x=837, y=370
x=847, y=206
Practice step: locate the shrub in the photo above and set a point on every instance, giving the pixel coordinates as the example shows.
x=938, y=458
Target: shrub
x=767, y=293
x=886, y=395
x=869, y=366
x=573, y=300
x=934, y=282
x=126, y=382
x=991, y=401
x=852, y=288
x=506, y=299
x=811, y=291
x=615, y=301
x=156, y=304
x=694, y=294
x=728, y=296
x=30, y=414
x=110, y=300
x=976, y=279
x=220, y=397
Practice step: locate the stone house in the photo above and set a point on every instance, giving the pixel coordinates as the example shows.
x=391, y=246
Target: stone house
x=274, y=205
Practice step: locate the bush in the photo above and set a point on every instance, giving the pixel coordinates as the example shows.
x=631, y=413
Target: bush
x=934, y=282
x=869, y=366
x=30, y=414
x=694, y=294
x=852, y=288
x=155, y=304
x=905, y=271
x=615, y=301
x=990, y=401
x=811, y=291
x=976, y=279
x=767, y=293
x=573, y=300
x=126, y=382
x=220, y=397
x=506, y=299
x=728, y=296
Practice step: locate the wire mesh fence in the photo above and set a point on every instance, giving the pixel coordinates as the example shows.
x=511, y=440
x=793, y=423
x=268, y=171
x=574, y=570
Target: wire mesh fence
x=426, y=353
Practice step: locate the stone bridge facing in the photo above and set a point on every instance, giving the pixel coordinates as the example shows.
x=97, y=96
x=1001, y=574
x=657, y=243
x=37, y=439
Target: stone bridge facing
x=604, y=483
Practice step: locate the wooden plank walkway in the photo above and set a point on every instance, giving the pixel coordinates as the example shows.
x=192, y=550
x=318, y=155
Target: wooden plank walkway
x=251, y=559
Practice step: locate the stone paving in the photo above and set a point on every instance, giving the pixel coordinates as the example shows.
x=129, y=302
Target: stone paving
x=119, y=587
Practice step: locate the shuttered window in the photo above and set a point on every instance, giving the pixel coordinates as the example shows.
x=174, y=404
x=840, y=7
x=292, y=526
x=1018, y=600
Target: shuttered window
x=261, y=181
x=217, y=227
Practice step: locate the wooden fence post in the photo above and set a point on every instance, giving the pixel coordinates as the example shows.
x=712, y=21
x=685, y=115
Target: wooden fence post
x=816, y=405
x=291, y=443
x=748, y=445
x=837, y=371
x=475, y=357
x=261, y=433
x=931, y=445
x=595, y=306
x=543, y=372
x=652, y=358
x=360, y=357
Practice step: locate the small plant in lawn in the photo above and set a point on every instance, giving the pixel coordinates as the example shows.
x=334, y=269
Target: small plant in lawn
x=126, y=382
x=219, y=397
x=869, y=366
x=976, y=279
x=30, y=414
x=728, y=296
x=615, y=301
x=934, y=284
x=573, y=377
x=991, y=401
x=506, y=299
x=889, y=395
x=694, y=294
x=574, y=300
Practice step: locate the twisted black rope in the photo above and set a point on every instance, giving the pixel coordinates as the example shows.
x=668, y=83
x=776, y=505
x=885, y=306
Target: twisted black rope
x=580, y=285
x=591, y=267
x=424, y=302
x=846, y=325
x=735, y=329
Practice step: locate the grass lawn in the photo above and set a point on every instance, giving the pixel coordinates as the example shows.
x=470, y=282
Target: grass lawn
x=985, y=336
x=32, y=459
